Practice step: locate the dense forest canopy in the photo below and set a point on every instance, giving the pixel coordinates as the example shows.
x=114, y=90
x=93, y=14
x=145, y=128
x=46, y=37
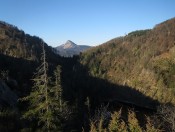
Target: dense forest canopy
x=143, y=59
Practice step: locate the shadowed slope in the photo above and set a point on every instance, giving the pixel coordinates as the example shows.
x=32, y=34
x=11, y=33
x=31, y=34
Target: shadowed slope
x=143, y=60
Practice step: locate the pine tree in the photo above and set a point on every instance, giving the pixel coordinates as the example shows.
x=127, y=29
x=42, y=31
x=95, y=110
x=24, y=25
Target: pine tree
x=116, y=124
x=42, y=102
x=57, y=87
x=61, y=108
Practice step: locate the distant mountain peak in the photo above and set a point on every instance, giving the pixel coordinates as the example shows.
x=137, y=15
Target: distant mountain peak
x=69, y=41
x=70, y=48
x=69, y=44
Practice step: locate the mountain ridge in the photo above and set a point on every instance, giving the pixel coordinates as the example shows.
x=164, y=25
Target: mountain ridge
x=136, y=70
x=16, y=43
x=70, y=48
x=143, y=59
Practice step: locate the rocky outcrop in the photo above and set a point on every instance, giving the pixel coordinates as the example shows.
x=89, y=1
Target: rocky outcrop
x=70, y=48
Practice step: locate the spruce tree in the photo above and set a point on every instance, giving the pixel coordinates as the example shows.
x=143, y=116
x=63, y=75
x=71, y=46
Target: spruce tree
x=41, y=100
x=61, y=108
x=57, y=87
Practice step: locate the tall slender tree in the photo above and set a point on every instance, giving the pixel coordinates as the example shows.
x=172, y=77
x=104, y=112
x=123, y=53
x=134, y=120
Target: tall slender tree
x=42, y=102
x=57, y=87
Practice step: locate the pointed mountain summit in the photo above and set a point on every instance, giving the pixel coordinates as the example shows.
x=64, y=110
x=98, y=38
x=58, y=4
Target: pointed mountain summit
x=69, y=44
x=70, y=48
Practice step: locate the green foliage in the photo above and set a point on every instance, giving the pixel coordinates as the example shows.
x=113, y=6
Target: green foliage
x=138, y=32
x=116, y=124
x=99, y=120
x=133, y=123
x=97, y=126
x=44, y=98
x=15, y=43
x=143, y=60
x=57, y=86
x=93, y=127
x=165, y=69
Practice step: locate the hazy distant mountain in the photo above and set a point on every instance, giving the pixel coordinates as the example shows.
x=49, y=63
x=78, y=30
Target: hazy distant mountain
x=70, y=49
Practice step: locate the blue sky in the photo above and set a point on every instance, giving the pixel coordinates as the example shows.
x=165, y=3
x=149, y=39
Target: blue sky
x=89, y=22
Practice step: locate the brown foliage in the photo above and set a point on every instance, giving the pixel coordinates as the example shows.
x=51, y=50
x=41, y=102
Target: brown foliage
x=133, y=60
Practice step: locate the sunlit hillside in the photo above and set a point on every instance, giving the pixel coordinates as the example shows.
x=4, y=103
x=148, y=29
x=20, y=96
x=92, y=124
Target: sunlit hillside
x=143, y=60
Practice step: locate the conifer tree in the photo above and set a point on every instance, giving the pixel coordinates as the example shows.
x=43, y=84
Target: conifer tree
x=42, y=102
x=61, y=109
x=57, y=87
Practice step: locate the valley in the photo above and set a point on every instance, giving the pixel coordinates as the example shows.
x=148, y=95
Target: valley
x=125, y=84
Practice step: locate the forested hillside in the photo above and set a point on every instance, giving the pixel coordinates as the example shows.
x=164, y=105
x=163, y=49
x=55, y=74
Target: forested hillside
x=20, y=55
x=126, y=84
x=143, y=60
x=16, y=43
